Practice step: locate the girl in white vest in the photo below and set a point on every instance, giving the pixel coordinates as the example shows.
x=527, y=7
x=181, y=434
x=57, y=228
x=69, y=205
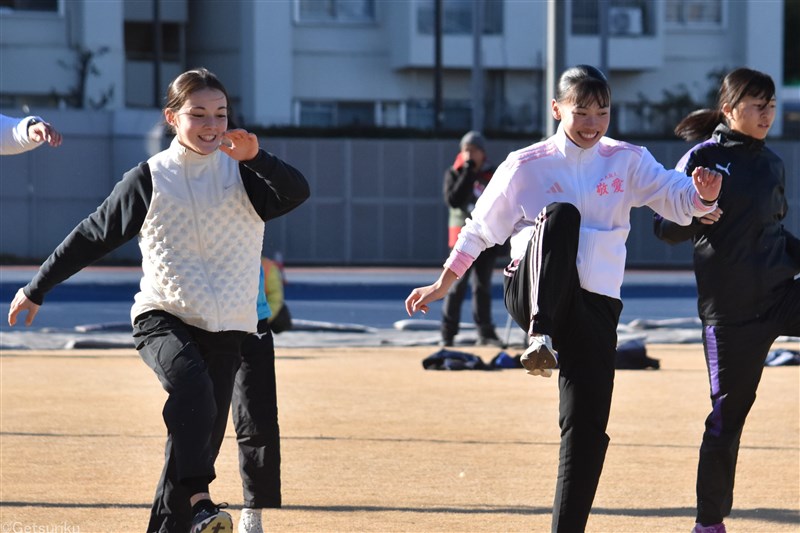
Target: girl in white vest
x=198, y=210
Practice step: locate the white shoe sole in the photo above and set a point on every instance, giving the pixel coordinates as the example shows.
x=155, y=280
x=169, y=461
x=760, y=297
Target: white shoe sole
x=544, y=372
x=539, y=361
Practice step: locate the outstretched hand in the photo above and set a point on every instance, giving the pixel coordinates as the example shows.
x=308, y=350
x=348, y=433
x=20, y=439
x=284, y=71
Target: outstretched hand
x=22, y=303
x=420, y=297
x=42, y=131
x=240, y=144
x=707, y=182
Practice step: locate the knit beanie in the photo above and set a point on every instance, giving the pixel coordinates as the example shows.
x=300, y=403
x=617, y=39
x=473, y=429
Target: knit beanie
x=475, y=139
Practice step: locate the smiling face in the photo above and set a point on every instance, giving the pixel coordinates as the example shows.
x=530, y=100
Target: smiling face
x=202, y=119
x=584, y=124
x=752, y=116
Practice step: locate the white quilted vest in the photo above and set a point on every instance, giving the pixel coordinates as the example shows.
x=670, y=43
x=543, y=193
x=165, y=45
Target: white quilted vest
x=201, y=242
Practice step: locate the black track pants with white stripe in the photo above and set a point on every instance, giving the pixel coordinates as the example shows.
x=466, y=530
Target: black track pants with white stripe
x=543, y=295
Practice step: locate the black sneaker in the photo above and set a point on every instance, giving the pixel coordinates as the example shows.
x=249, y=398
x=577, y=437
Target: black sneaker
x=447, y=341
x=489, y=340
x=213, y=520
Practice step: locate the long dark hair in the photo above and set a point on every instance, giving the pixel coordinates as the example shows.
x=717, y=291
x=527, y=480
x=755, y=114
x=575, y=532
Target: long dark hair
x=739, y=83
x=194, y=80
x=583, y=85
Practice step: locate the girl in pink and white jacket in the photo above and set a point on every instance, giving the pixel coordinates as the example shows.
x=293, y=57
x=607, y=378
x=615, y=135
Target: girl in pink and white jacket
x=565, y=203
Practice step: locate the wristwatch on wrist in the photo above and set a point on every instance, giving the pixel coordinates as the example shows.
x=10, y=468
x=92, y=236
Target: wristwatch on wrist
x=32, y=122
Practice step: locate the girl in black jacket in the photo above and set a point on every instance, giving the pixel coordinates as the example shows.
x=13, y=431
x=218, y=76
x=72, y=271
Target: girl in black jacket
x=745, y=263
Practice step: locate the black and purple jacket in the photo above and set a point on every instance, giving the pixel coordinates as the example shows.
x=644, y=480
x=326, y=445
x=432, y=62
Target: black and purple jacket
x=746, y=260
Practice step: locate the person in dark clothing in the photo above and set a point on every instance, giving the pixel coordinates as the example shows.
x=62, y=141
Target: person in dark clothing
x=464, y=182
x=198, y=210
x=746, y=265
x=255, y=418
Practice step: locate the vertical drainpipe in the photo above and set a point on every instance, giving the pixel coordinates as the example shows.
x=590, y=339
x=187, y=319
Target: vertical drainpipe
x=437, y=65
x=477, y=65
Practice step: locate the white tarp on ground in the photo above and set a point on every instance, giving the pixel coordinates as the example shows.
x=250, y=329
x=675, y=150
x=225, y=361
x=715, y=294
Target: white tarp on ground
x=320, y=334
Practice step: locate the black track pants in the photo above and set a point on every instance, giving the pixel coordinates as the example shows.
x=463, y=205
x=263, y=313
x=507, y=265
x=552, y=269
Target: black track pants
x=480, y=276
x=255, y=418
x=543, y=295
x=197, y=369
x=735, y=358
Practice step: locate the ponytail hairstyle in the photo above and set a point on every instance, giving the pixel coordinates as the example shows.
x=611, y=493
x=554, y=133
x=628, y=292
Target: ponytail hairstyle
x=699, y=125
x=582, y=86
x=194, y=80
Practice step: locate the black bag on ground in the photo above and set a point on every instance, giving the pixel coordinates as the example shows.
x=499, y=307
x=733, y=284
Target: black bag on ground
x=454, y=360
x=632, y=355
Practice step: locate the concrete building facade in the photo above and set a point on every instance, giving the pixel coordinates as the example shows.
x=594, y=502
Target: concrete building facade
x=98, y=69
x=334, y=63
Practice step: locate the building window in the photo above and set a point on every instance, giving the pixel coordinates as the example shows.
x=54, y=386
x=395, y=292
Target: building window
x=320, y=114
x=140, y=43
x=420, y=114
x=417, y=114
x=391, y=114
x=336, y=10
x=29, y=5
x=457, y=17
x=355, y=114
x=692, y=13
x=625, y=17
x=456, y=115
x=337, y=114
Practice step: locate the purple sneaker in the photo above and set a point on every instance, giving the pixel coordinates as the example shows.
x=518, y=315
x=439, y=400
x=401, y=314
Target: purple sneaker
x=714, y=528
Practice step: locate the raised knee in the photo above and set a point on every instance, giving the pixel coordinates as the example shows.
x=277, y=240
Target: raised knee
x=564, y=212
